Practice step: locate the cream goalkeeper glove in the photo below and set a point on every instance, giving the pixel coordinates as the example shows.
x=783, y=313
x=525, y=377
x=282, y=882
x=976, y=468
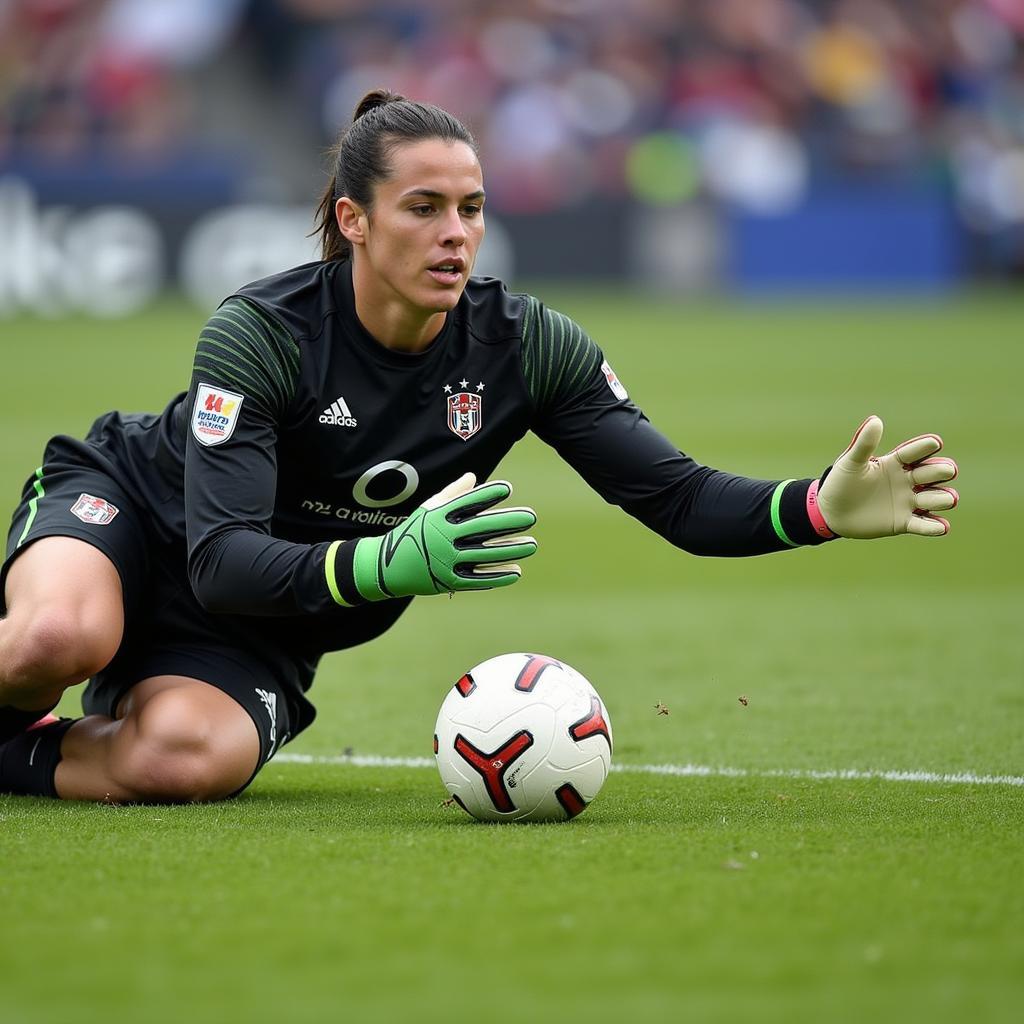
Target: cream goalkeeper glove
x=864, y=496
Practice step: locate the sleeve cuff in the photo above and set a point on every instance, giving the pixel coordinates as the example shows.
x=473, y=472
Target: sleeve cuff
x=340, y=574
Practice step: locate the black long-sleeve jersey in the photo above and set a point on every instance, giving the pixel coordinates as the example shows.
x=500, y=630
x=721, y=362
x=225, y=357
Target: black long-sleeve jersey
x=299, y=429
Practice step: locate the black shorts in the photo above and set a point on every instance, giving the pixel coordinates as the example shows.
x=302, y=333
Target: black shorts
x=166, y=631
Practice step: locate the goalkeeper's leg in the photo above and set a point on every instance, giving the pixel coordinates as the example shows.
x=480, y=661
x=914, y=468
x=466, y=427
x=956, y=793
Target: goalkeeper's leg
x=175, y=740
x=64, y=621
x=171, y=738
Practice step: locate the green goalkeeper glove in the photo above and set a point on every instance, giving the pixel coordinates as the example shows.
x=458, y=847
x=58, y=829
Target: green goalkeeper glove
x=864, y=496
x=454, y=541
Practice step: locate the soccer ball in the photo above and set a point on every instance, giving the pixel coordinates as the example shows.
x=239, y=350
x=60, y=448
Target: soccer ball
x=523, y=737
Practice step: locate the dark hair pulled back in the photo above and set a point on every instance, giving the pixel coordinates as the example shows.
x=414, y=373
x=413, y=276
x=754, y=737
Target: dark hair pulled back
x=361, y=156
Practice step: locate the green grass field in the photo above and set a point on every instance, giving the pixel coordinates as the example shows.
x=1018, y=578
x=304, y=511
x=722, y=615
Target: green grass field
x=343, y=892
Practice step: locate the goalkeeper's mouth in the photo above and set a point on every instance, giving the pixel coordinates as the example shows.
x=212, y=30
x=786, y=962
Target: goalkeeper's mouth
x=448, y=271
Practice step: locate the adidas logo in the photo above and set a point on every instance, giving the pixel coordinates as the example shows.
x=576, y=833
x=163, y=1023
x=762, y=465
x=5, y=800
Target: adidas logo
x=338, y=414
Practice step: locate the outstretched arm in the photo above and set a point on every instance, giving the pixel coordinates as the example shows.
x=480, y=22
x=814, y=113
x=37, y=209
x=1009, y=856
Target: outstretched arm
x=585, y=414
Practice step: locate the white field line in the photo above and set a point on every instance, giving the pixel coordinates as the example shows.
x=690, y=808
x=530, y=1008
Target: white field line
x=694, y=770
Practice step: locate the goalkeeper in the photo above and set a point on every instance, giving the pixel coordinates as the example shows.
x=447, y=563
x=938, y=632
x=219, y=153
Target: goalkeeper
x=329, y=461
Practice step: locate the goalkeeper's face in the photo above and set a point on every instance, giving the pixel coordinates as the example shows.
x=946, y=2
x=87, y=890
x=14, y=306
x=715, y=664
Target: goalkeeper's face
x=418, y=242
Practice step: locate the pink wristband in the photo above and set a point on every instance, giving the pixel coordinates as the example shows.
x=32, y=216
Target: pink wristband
x=814, y=513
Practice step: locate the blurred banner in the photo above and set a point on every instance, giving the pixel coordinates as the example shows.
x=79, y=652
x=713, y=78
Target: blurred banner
x=112, y=259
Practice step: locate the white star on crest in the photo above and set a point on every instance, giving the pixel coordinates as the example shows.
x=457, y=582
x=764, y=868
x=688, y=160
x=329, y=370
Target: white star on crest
x=463, y=383
x=447, y=389
x=481, y=386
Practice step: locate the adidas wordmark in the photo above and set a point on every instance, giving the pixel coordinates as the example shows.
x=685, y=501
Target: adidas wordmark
x=338, y=413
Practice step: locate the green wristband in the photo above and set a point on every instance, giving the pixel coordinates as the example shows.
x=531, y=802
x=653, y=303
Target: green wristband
x=776, y=514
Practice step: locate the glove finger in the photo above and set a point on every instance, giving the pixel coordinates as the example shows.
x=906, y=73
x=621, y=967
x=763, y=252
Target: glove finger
x=934, y=471
x=498, y=569
x=504, y=541
x=494, y=524
x=927, y=526
x=937, y=499
x=865, y=442
x=917, y=448
x=455, y=489
x=494, y=553
x=477, y=500
x=503, y=575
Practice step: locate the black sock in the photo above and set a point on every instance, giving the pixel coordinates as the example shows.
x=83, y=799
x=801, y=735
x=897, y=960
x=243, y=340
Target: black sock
x=28, y=763
x=14, y=720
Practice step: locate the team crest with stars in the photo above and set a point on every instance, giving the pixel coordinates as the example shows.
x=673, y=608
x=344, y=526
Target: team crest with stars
x=465, y=408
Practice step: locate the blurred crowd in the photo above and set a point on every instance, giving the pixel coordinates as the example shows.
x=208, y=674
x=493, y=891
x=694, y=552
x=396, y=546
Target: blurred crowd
x=747, y=101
